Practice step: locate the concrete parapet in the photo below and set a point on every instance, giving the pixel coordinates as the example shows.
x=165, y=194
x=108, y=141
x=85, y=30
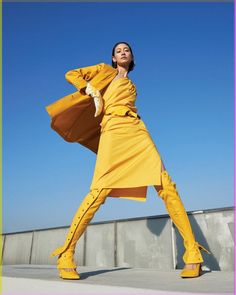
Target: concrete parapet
x=148, y=242
x=100, y=245
x=17, y=248
x=145, y=243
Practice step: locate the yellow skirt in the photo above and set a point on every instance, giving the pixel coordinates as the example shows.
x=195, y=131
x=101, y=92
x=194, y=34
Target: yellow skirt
x=127, y=159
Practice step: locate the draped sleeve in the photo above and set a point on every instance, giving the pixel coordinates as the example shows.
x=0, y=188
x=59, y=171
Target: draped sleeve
x=80, y=76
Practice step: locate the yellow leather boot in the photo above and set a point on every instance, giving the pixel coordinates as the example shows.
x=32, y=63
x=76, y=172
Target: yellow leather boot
x=179, y=216
x=84, y=214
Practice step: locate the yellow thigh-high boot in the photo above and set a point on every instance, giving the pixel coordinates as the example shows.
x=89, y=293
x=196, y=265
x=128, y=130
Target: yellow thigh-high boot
x=84, y=214
x=177, y=213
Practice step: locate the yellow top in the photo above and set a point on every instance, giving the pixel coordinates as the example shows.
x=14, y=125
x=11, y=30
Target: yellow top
x=127, y=159
x=120, y=102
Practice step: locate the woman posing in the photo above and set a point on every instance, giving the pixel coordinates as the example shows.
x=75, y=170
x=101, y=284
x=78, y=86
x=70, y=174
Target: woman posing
x=127, y=158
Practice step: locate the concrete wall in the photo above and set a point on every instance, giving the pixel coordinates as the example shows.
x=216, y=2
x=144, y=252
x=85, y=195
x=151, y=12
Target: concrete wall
x=17, y=248
x=145, y=243
x=149, y=242
x=100, y=245
x=2, y=241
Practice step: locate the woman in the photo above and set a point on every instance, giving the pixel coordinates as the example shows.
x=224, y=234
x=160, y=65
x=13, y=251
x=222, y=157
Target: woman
x=125, y=152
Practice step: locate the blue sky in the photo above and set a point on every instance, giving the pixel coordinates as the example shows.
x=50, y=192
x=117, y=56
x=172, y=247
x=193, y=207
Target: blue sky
x=184, y=77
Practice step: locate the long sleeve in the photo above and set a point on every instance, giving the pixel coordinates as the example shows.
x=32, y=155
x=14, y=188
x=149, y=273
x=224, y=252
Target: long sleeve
x=79, y=77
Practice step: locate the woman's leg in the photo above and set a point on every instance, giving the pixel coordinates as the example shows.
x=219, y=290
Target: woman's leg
x=82, y=217
x=167, y=191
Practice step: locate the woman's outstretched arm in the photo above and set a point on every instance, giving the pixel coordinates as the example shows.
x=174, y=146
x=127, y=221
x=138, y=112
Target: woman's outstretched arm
x=80, y=76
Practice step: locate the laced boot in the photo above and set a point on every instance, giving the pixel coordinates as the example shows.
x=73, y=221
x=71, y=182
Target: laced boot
x=179, y=216
x=84, y=214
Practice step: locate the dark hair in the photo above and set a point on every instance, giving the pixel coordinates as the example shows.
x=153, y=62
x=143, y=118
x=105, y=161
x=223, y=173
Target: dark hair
x=114, y=64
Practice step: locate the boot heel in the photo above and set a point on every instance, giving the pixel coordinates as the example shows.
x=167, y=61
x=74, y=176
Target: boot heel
x=192, y=273
x=68, y=275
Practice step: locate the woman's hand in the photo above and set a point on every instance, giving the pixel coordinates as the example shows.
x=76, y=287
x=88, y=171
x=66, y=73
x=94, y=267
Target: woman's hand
x=90, y=90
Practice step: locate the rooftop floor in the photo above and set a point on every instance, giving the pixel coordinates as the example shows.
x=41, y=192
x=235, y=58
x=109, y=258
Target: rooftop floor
x=43, y=279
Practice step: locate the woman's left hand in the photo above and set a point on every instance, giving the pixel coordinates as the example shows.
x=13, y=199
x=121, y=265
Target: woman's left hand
x=98, y=105
x=98, y=101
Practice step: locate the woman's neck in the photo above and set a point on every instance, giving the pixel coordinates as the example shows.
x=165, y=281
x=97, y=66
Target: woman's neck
x=122, y=72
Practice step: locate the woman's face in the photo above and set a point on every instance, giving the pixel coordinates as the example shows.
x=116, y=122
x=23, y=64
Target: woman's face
x=122, y=55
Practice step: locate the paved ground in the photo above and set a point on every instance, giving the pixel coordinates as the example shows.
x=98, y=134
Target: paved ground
x=43, y=279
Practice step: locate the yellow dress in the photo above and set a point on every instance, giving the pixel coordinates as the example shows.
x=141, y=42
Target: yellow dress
x=127, y=159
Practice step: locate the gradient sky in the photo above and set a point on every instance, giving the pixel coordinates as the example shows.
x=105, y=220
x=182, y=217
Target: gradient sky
x=184, y=77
